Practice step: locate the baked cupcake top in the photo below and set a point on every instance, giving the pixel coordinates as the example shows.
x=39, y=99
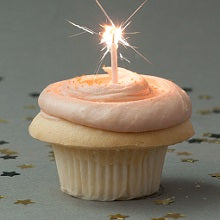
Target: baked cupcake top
x=137, y=103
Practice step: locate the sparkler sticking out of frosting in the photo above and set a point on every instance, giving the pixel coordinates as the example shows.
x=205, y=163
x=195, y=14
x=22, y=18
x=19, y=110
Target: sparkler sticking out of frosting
x=111, y=37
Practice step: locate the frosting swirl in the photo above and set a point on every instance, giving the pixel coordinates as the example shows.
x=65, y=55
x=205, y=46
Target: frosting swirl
x=100, y=87
x=136, y=103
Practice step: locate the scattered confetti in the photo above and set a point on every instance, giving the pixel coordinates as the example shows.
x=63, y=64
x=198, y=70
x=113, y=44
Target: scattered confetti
x=29, y=118
x=212, y=135
x=51, y=155
x=197, y=140
x=204, y=112
x=164, y=201
x=216, y=175
x=189, y=160
x=10, y=174
x=200, y=140
x=3, y=121
x=3, y=142
x=7, y=151
x=170, y=215
x=118, y=217
x=215, y=141
x=2, y=197
x=34, y=94
x=174, y=215
x=185, y=153
x=24, y=202
x=207, y=97
x=187, y=89
x=30, y=107
x=216, y=110
x=25, y=166
x=170, y=150
x=8, y=157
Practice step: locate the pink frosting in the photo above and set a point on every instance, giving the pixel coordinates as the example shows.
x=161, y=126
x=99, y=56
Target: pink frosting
x=136, y=103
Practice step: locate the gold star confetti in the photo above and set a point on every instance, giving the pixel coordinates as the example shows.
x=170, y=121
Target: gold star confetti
x=216, y=175
x=29, y=118
x=29, y=106
x=24, y=202
x=7, y=151
x=2, y=197
x=118, y=217
x=174, y=215
x=51, y=155
x=208, y=111
x=204, y=112
x=215, y=141
x=25, y=166
x=3, y=121
x=170, y=150
x=207, y=97
x=164, y=201
x=189, y=160
x=185, y=153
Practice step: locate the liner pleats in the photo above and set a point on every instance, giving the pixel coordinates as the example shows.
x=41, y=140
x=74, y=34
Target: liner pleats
x=109, y=174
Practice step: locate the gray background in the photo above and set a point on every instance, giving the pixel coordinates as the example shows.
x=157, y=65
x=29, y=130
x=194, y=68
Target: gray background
x=180, y=37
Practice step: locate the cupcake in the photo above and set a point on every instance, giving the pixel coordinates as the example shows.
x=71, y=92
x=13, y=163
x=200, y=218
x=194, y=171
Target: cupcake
x=110, y=140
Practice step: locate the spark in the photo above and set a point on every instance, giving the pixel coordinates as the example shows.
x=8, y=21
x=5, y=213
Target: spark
x=105, y=13
x=82, y=27
x=75, y=35
x=124, y=58
x=101, y=60
x=126, y=25
x=128, y=33
x=139, y=53
x=138, y=8
x=113, y=34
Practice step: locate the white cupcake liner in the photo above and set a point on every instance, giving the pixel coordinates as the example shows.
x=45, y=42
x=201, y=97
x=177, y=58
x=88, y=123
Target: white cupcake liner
x=107, y=175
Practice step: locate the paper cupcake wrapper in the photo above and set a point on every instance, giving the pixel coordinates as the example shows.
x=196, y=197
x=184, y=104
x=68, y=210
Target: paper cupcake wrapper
x=107, y=175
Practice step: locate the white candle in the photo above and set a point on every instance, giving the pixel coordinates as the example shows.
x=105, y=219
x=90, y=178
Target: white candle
x=114, y=61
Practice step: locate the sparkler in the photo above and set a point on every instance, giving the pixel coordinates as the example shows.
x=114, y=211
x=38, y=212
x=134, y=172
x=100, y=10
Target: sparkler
x=111, y=37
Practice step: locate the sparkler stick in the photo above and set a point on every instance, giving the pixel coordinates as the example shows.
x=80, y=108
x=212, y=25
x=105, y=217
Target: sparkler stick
x=114, y=62
x=111, y=37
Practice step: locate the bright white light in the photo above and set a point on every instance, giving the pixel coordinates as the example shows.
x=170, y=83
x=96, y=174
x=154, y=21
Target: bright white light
x=111, y=35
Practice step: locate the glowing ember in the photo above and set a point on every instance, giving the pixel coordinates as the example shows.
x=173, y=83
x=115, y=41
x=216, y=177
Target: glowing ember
x=111, y=35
